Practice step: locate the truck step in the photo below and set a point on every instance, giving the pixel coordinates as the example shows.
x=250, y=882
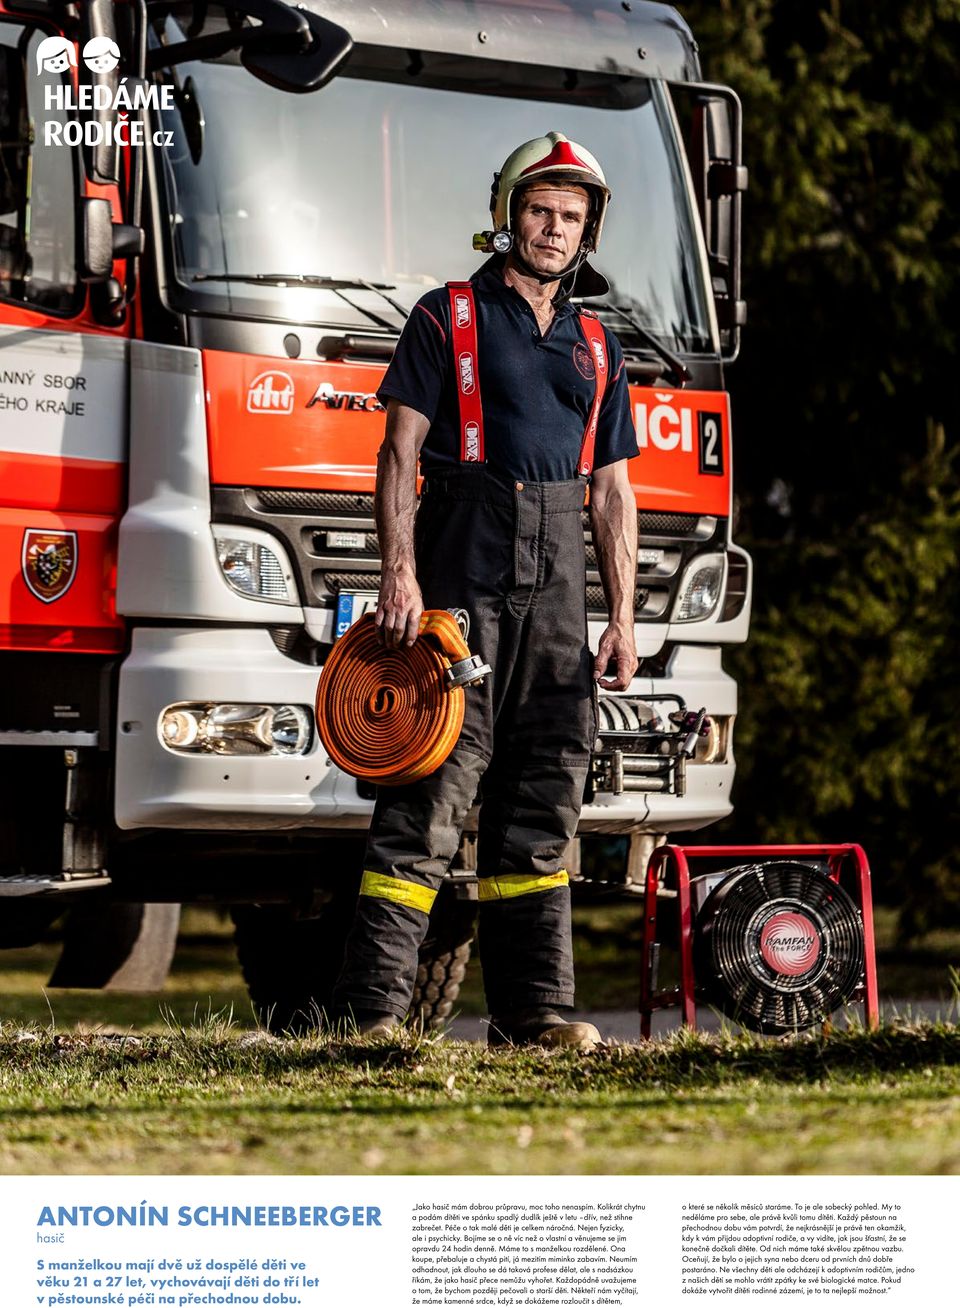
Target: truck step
x=22, y=886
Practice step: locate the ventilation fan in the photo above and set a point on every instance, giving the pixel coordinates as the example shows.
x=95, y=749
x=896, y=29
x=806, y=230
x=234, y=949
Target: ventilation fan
x=778, y=946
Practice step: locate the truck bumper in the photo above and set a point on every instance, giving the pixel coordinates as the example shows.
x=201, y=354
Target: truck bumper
x=694, y=674
x=157, y=787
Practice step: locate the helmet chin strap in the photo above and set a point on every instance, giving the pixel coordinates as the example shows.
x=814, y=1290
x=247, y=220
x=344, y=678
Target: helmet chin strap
x=544, y=279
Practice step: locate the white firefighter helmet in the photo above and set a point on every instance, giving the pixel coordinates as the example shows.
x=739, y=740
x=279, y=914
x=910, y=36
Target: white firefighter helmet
x=551, y=158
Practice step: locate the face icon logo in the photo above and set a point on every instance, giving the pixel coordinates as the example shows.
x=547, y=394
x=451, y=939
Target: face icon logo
x=55, y=54
x=101, y=55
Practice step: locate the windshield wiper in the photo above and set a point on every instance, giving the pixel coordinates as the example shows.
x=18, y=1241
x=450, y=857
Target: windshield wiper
x=319, y=283
x=678, y=369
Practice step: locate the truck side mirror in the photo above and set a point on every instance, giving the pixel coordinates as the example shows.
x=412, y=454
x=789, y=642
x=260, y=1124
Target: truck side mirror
x=292, y=48
x=303, y=70
x=715, y=149
x=102, y=240
x=95, y=261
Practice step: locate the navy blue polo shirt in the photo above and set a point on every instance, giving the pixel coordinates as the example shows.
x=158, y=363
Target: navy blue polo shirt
x=537, y=391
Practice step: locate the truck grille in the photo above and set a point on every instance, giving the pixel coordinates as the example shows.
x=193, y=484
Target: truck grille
x=308, y=501
x=668, y=524
x=331, y=538
x=336, y=581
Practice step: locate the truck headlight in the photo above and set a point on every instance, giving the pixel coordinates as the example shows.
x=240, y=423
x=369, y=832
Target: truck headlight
x=714, y=747
x=255, y=565
x=700, y=589
x=236, y=728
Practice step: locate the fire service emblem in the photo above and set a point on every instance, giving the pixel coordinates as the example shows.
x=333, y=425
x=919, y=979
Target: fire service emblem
x=49, y=562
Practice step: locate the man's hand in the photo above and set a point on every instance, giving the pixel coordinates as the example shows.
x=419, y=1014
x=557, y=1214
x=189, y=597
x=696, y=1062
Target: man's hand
x=399, y=608
x=617, y=645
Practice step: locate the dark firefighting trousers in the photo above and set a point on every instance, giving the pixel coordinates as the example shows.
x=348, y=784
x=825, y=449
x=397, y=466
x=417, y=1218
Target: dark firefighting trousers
x=512, y=555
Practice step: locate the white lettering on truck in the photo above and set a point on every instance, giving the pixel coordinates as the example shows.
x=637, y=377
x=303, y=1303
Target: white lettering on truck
x=663, y=427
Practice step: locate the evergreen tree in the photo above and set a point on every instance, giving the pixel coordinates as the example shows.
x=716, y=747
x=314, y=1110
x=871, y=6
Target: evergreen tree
x=845, y=427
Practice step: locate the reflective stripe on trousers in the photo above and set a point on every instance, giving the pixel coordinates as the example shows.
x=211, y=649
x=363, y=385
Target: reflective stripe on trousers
x=512, y=555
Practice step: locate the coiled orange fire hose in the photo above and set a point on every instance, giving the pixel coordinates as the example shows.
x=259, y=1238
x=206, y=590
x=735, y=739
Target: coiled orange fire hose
x=393, y=715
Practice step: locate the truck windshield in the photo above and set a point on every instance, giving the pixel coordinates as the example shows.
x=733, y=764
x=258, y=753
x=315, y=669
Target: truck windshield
x=385, y=182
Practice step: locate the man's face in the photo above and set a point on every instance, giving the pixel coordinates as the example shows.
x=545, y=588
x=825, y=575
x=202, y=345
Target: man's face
x=549, y=223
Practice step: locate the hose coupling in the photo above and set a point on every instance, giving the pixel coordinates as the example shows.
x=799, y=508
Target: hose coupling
x=467, y=672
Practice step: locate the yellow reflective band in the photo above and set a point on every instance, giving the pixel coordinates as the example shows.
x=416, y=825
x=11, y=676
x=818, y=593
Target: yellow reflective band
x=512, y=884
x=408, y=893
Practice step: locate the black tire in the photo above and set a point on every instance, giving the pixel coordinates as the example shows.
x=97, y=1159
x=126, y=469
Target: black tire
x=117, y=946
x=290, y=961
x=444, y=956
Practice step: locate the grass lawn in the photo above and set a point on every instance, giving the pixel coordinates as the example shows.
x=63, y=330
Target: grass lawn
x=94, y=1082
x=216, y=1100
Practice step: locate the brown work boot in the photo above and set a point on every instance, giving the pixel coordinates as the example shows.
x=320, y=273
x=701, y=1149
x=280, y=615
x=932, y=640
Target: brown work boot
x=541, y=1026
x=376, y=1024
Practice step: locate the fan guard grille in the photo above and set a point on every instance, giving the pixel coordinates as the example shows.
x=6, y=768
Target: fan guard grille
x=778, y=946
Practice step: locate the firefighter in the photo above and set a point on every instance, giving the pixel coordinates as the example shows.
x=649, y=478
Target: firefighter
x=514, y=403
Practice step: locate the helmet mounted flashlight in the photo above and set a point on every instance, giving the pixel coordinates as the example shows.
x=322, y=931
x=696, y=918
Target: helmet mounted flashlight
x=493, y=242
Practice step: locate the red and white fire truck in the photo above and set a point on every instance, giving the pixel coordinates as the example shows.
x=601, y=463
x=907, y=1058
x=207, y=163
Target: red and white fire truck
x=213, y=221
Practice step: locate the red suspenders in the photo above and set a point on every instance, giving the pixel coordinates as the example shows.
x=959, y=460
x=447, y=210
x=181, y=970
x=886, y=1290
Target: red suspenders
x=463, y=323
x=593, y=331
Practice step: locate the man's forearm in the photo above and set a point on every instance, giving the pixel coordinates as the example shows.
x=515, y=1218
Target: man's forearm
x=395, y=505
x=399, y=604
x=613, y=519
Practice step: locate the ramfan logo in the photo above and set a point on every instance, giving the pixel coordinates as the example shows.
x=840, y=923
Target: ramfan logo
x=471, y=441
x=461, y=305
x=789, y=943
x=601, y=355
x=467, y=377
x=270, y=392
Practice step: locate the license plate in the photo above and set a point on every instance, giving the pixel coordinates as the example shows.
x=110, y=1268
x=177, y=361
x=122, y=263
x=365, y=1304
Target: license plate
x=353, y=604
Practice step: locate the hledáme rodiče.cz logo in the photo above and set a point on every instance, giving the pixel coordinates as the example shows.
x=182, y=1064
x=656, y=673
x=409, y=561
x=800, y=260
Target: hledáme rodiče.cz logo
x=56, y=54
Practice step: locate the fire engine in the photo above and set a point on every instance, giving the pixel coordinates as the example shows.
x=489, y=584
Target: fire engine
x=214, y=219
